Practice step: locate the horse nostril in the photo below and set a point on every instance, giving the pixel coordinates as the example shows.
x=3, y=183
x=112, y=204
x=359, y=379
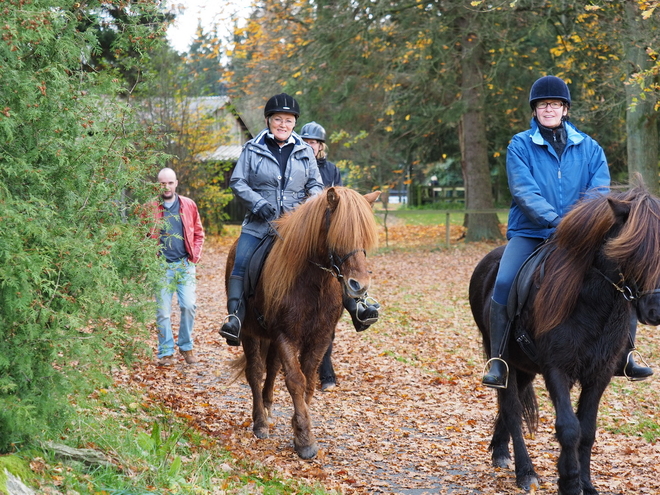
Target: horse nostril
x=354, y=285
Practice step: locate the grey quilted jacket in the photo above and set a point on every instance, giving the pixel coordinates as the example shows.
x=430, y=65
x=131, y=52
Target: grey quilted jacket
x=256, y=180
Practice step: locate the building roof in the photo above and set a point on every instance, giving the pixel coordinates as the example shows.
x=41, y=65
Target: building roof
x=222, y=153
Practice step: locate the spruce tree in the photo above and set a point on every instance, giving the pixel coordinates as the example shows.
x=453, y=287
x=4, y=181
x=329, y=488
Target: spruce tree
x=74, y=260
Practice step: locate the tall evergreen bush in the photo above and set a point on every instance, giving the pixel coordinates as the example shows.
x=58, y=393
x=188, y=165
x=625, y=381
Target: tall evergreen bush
x=74, y=262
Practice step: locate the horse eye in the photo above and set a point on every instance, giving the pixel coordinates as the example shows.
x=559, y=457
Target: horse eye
x=369, y=272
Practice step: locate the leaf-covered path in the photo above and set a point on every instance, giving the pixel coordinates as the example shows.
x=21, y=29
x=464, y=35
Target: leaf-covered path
x=409, y=415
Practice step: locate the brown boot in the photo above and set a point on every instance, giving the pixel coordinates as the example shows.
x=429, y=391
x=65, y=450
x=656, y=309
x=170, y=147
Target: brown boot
x=189, y=356
x=167, y=361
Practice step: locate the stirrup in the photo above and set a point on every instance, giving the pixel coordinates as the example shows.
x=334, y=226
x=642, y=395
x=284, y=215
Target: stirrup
x=635, y=355
x=361, y=305
x=506, y=378
x=228, y=335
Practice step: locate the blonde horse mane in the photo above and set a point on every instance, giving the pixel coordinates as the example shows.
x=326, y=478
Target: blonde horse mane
x=302, y=237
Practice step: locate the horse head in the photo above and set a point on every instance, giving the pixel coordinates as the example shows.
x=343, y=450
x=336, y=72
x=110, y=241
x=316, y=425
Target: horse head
x=330, y=232
x=350, y=234
x=636, y=248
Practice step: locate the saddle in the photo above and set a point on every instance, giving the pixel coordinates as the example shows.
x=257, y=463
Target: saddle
x=256, y=264
x=519, y=293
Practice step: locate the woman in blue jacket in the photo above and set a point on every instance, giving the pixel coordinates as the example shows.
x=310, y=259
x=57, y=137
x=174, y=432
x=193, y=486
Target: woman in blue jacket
x=549, y=168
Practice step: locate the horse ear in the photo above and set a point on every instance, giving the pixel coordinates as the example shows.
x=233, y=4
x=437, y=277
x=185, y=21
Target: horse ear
x=620, y=209
x=372, y=197
x=333, y=198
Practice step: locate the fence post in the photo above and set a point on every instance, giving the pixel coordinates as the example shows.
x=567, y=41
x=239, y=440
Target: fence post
x=447, y=228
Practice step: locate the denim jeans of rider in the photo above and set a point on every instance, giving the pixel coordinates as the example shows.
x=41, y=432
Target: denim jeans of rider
x=516, y=252
x=180, y=278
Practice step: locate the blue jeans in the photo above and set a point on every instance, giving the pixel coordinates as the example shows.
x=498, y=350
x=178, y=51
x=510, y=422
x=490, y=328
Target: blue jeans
x=516, y=252
x=247, y=244
x=180, y=278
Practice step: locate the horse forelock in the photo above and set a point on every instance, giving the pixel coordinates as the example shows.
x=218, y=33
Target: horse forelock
x=309, y=233
x=352, y=224
x=636, y=249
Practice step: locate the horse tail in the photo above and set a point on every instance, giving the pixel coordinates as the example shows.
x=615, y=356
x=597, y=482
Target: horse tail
x=237, y=367
x=530, y=407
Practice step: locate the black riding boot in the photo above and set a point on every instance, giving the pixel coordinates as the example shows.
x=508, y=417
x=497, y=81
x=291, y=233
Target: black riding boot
x=326, y=370
x=628, y=367
x=363, y=313
x=498, y=374
x=231, y=328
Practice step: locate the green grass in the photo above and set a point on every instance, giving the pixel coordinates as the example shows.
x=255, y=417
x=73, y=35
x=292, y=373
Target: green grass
x=429, y=217
x=151, y=451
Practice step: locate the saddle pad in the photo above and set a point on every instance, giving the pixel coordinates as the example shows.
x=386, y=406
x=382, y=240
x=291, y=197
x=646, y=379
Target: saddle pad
x=523, y=281
x=255, y=265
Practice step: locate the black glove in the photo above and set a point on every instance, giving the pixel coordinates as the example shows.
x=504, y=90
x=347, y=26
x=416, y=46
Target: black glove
x=267, y=212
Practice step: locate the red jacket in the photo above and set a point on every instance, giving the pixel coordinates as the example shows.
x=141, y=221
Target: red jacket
x=193, y=232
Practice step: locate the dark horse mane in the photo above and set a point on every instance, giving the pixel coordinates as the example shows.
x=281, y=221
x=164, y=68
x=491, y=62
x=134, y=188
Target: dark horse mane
x=577, y=240
x=298, y=241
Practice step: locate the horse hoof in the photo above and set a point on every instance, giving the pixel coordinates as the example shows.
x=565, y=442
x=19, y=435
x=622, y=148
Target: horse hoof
x=502, y=462
x=307, y=452
x=529, y=483
x=261, y=432
x=328, y=386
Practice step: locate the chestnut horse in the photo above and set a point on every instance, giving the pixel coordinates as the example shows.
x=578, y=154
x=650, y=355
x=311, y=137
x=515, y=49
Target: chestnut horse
x=603, y=263
x=319, y=252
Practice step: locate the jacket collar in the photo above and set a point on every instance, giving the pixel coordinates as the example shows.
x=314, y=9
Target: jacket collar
x=573, y=136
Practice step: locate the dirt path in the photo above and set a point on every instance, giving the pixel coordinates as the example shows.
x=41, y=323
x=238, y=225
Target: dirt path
x=409, y=415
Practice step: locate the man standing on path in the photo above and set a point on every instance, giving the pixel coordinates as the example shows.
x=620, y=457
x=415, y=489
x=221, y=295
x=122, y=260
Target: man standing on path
x=181, y=236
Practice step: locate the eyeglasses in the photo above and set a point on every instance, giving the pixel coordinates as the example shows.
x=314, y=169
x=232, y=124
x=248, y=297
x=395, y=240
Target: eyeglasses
x=286, y=122
x=552, y=104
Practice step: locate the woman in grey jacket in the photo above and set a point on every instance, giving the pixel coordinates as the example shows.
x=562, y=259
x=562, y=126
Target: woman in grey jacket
x=275, y=173
x=549, y=168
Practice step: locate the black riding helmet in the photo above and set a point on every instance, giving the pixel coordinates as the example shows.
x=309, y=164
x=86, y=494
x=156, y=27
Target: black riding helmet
x=282, y=103
x=549, y=88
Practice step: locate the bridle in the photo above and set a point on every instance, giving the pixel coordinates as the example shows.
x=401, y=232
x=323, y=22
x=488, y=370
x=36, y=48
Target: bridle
x=335, y=261
x=629, y=291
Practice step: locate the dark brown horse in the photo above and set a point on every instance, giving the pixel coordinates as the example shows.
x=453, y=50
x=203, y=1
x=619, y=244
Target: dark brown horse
x=603, y=264
x=319, y=252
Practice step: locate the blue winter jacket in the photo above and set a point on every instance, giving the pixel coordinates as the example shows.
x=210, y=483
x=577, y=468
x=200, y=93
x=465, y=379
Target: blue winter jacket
x=257, y=180
x=545, y=187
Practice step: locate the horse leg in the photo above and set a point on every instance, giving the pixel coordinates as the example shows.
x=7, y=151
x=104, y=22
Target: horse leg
x=254, y=373
x=567, y=428
x=273, y=367
x=303, y=439
x=511, y=413
x=588, y=414
x=310, y=357
x=499, y=444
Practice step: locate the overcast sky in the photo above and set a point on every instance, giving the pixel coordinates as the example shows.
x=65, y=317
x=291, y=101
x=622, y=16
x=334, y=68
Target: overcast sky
x=182, y=32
